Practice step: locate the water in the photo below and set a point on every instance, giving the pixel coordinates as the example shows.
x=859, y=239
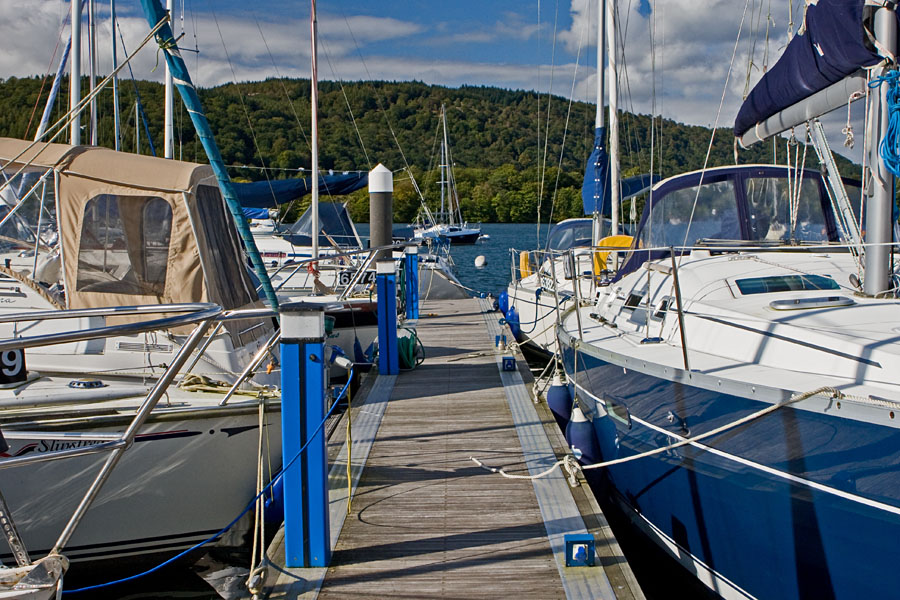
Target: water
x=495, y=276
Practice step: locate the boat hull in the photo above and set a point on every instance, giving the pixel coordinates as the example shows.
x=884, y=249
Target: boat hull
x=188, y=475
x=796, y=504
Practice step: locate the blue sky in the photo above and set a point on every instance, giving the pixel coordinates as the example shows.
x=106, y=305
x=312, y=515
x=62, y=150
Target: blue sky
x=677, y=53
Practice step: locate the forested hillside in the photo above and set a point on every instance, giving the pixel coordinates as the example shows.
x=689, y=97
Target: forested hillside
x=510, y=148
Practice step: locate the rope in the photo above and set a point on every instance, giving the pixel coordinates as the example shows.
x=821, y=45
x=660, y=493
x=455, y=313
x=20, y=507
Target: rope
x=889, y=148
x=202, y=383
x=565, y=461
x=247, y=508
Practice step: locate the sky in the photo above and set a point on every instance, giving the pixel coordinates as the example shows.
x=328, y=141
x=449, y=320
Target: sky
x=688, y=60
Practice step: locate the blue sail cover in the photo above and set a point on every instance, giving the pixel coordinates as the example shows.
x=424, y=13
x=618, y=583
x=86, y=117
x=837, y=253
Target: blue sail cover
x=832, y=47
x=268, y=194
x=595, y=188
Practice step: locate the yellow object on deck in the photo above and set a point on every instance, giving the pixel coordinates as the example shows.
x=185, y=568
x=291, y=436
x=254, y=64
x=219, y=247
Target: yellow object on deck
x=524, y=264
x=610, y=241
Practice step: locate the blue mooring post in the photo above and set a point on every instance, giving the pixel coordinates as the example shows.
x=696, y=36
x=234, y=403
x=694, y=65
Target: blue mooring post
x=386, y=283
x=307, y=534
x=412, y=282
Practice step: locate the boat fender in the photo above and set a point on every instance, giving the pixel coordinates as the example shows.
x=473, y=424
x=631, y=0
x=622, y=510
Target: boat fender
x=512, y=319
x=503, y=302
x=559, y=400
x=524, y=264
x=581, y=439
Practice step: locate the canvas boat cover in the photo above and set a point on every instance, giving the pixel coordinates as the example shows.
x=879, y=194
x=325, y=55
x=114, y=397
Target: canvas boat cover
x=269, y=194
x=137, y=229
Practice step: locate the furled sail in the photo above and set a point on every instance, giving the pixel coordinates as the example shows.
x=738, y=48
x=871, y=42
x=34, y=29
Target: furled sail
x=268, y=194
x=595, y=189
x=816, y=74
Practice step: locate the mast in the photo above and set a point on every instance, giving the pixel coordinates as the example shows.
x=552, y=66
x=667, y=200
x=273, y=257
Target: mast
x=168, y=123
x=75, y=75
x=115, y=82
x=314, y=131
x=444, y=164
x=878, y=211
x=92, y=64
x=615, y=193
x=599, y=122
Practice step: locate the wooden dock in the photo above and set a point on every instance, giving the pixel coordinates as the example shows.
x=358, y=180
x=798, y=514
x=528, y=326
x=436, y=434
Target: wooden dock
x=425, y=521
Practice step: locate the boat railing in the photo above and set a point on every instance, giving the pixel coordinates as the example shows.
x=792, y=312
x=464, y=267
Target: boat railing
x=363, y=259
x=47, y=573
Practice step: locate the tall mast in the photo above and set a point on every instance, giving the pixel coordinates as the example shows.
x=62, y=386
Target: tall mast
x=92, y=64
x=115, y=82
x=168, y=123
x=75, y=75
x=444, y=161
x=878, y=209
x=615, y=193
x=599, y=122
x=315, y=134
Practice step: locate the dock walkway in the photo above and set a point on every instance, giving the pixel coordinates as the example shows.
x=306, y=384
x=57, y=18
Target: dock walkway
x=425, y=520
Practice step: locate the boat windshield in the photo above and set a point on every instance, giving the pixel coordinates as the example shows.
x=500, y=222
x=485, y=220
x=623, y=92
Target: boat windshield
x=709, y=211
x=570, y=234
x=686, y=215
x=774, y=217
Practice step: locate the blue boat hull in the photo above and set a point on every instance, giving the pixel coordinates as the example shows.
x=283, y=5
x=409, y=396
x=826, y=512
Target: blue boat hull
x=796, y=504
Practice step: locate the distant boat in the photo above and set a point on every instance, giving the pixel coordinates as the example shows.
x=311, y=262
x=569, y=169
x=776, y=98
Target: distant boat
x=447, y=224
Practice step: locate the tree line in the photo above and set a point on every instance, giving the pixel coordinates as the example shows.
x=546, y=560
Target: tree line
x=514, y=152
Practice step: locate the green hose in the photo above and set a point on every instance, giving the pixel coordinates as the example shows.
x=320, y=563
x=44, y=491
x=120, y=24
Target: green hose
x=410, y=351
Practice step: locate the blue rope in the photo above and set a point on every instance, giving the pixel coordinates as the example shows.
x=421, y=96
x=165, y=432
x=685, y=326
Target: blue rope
x=236, y=519
x=889, y=148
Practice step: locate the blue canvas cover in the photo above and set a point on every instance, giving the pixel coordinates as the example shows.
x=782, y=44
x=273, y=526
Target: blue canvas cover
x=333, y=221
x=596, y=184
x=833, y=46
x=595, y=187
x=268, y=194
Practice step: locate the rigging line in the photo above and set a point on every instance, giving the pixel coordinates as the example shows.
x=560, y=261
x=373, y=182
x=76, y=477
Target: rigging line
x=754, y=37
x=712, y=136
x=287, y=95
x=37, y=100
x=538, y=116
x=346, y=101
x=379, y=100
x=543, y=158
x=243, y=105
x=629, y=119
x=562, y=148
x=137, y=93
x=63, y=122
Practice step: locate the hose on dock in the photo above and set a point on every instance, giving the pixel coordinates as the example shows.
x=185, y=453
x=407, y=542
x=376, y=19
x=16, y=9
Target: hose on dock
x=568, y=460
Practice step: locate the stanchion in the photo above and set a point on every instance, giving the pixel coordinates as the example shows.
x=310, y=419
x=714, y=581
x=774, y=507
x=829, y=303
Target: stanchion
x=412, y=282
x=307, y=535
x=386, y=284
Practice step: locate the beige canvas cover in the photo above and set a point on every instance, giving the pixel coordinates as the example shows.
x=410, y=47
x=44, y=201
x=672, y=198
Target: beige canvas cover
x=203, y=262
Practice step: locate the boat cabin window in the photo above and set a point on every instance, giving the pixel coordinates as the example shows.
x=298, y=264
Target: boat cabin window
x=676, y=221
x=773, y=217
x=570, y=234
x=124, y=246
x=785, y=283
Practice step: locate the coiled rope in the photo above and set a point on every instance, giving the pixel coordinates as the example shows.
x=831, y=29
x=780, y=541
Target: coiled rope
x=889, y=148
x=567, y=461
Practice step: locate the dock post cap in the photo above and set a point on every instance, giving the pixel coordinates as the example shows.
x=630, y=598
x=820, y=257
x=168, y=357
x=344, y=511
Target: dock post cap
x=381, y=180
x=302, y=322
x=411, y=249
x=385, y=266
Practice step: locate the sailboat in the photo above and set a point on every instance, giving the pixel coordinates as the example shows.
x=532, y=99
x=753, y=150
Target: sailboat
x=552, y=278
x=742, y=366
x=447, y=225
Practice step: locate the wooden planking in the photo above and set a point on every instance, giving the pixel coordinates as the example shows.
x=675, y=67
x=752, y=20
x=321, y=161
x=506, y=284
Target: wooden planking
x=426, y=522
